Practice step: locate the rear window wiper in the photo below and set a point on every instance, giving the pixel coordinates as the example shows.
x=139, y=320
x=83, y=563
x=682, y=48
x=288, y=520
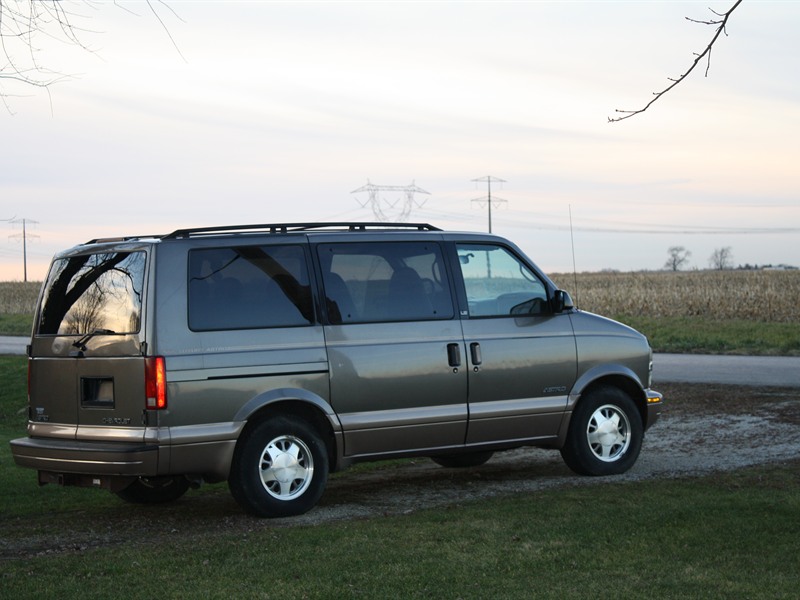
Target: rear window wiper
x=81, y=343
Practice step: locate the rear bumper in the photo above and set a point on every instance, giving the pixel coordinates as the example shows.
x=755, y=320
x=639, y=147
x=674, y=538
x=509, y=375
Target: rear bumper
x=86, y=458
x=205, y=451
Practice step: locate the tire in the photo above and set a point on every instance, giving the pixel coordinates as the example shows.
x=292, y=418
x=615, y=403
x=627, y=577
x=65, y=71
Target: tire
x=460, y=461
x=280, y=468
x=605, y=434
x=154, y=490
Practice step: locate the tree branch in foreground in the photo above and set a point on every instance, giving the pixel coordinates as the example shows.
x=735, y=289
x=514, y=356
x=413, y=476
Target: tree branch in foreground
x=721, y=23
x=24, y=22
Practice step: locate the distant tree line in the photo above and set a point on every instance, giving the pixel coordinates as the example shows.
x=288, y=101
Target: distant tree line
x=720, y=260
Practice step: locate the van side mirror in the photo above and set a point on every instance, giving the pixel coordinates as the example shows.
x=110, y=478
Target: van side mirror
x=561, y=301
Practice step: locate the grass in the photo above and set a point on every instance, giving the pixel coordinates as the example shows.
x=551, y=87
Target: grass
x=731, y=535
x=16, y=324
x=727, y=535
x=696, y=335
x=17, y=304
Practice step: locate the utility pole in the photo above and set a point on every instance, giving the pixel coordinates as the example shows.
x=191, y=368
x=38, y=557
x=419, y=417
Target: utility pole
x=488, y=199
x=24, y=237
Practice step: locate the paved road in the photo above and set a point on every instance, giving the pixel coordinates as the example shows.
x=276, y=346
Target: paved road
x=12, y=345
x=782, y=371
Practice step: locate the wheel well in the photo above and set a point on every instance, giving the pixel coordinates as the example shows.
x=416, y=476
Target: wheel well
x=302, y=410
x=626, y=385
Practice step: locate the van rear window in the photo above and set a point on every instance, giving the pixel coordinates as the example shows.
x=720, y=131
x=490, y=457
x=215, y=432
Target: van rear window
x=93, y=293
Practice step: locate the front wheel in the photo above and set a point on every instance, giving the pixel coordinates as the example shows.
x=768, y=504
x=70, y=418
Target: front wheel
x=279, y=469
x=605, y=434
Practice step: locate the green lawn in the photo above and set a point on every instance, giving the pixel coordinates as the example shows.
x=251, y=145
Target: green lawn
x=731, y=535
x=727, y=536
x=15, y=324
x=697, y=335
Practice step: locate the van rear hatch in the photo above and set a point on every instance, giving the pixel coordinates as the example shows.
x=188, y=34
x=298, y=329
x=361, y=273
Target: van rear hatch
x=87, y=369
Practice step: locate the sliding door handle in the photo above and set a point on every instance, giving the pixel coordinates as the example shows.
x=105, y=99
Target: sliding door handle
x=475, y=353
x=454, y=355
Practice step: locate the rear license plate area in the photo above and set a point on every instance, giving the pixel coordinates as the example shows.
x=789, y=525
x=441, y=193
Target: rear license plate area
x=97, y=392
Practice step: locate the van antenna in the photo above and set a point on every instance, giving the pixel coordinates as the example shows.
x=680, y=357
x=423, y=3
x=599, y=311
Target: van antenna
x=574, y=268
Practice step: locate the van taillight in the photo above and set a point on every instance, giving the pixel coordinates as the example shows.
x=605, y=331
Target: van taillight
x=155, y=384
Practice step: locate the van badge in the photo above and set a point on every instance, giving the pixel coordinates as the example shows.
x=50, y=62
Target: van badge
x=555, y=389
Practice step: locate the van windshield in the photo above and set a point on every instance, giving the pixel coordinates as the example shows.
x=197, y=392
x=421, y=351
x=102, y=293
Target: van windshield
x=92, y=293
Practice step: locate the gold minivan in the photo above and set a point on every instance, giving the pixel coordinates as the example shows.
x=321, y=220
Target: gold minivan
x=272, y=355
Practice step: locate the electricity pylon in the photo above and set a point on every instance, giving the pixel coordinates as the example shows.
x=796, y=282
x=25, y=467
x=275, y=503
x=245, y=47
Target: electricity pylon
x=488, y=200
x=378, y=210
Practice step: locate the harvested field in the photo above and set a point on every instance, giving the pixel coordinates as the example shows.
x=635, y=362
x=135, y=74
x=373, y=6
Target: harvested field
x=18, y=298
x=764, y=296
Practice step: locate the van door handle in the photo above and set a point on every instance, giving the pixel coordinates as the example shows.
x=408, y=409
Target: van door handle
x=475, y=353
x=454, y=355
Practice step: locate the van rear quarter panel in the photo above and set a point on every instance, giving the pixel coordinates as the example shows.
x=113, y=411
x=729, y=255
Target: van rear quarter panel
x=212, y=374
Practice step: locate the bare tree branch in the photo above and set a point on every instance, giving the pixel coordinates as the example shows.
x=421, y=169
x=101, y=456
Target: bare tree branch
x=24, y=23
x=721, y=22
x=164, y=26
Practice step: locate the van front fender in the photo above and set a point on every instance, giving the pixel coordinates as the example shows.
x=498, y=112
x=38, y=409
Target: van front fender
x=612, y=374
x=647, y=401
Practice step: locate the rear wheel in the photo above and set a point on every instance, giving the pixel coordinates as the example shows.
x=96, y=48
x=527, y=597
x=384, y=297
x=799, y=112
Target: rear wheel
x=155, y=490
x=459, y=461
x=279, y=469
x=605, y=434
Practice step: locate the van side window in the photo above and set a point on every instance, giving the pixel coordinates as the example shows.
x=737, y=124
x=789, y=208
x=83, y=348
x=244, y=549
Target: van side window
x=384, y=281
x=498, y=284
x=249, y=287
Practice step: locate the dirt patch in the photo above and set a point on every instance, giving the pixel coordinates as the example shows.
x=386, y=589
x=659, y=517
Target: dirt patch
x=703, y=429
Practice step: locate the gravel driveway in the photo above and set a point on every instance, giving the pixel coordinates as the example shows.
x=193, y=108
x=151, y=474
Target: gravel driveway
x=704, y=428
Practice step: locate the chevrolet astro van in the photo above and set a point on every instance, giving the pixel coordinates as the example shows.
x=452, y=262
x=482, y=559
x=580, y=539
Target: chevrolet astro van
x=272, y=355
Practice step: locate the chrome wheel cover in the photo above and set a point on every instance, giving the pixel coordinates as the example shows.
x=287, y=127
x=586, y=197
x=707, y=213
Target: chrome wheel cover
x=608, y=433
x=286, y=467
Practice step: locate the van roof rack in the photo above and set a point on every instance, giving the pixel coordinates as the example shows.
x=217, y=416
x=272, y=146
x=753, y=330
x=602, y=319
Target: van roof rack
x=277, y=228
x=125, y=238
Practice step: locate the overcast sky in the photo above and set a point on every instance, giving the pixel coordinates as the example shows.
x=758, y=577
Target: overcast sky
x=275, y=112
